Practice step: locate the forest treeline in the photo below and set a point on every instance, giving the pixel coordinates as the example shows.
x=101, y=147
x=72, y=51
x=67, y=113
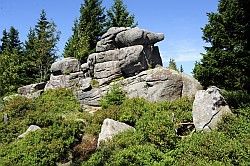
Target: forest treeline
x=27, y=62
x=225, y=63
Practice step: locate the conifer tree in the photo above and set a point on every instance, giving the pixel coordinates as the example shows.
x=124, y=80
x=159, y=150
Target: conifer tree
x=87, y=31
x=4, y=41
x=172, y=64
x=181, y=69
x=118, y=16
x=45, y=40
x=226, y=62
x=12, y=62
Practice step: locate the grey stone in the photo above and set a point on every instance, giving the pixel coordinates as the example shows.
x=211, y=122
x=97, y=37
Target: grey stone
x=132, y=60
x=5, y=118
x=31, y=128
x=70, y=81
x=7, y=98
x=91, y=97
x=32, y=90
x=107, y=71
x=136, y=36
x=85, y=84
x=113, y=31
x=190, y=86
x=108, y=39
x=65, y=66
x=208, y=108
x=110, y=128
x=158, y=84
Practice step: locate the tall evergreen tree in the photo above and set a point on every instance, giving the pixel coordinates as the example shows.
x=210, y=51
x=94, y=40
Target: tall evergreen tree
x=172, y=64
x=181, y=69
x=12, y=62
x=31, y=56
x=4, y=41
x=87, y=32
x=71, y=47
x=45, y=40
x=226, y=62
x=118, y=16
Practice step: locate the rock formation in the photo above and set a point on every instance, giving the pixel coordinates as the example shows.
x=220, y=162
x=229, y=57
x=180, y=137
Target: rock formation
x=31, y=128
x=125, y=54
x=111, y=127
x=208, y=108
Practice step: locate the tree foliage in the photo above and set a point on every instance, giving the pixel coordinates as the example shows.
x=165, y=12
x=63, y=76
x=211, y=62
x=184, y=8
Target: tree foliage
x=118, y=16
x=87, y=31
x=12, y=62
x=44, y=43
x=172, y=64
x=226, y=61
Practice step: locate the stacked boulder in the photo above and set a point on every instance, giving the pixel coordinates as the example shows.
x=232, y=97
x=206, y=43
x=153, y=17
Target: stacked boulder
x=127, y=56
x=65, y=74
x=123, y=52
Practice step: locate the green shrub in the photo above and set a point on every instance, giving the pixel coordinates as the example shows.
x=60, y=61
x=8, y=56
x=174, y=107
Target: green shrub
x=94, y=83
x=139, y=155
x=115, y=96
x=44, y=147
x=236, y=99
x=52, y=111
x=158, y=128
x=212, y=148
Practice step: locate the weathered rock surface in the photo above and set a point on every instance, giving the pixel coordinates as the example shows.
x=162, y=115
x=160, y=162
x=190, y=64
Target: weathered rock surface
x=124, y=54
x=70, y=81
x=31, y=128
x=126, y=62
x=208, y=108
x=65, y=66
x=157, y=84
x=190, y=86
x=111, y=127
x=32, y=90
x=118, y=37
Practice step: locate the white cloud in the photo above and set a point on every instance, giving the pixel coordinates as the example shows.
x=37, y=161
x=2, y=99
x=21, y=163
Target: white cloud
x=182, y=51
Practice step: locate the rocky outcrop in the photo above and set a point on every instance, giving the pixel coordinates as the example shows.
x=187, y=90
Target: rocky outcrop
x=126, y=54
x=123, y=52
x=31, y=128
x=208, y=108
x=32, y=90
x=65, y=66
x=111, y=127
x=190, y=86
x=157, y=84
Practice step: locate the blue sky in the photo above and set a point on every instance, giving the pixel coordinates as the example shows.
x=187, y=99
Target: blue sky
x=179, y=20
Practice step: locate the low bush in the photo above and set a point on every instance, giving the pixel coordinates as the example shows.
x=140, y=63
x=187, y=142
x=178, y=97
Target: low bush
x=236, y=99
x=51, y=144
x=115, y=96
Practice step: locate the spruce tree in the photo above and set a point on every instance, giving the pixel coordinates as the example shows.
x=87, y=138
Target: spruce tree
x=46, y=38
x=4, y=41
x=12, y=63
x=118, y=16
x=172, y=64
x=87, y=32
x=226, y=62
x=71, y=46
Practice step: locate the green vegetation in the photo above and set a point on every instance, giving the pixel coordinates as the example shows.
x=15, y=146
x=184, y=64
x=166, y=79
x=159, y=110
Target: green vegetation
x=69, y=134
x=118, y=16
x=226, y=62
x=92, y=24
x=94, y=83
x=22, y=65
x=87, y=31
x=115, y=96
x=60, y=129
